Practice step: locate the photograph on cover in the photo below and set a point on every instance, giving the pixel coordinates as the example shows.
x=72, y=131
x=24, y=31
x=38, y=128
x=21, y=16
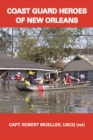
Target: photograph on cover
x=46, y=70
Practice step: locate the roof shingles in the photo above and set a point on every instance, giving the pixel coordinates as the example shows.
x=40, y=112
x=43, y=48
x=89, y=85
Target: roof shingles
x=10, y=62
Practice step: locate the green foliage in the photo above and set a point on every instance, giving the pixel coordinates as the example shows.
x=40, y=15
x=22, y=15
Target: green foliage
x=40, y=45
x=44, y=45
x=5, y=40
x=25, y=48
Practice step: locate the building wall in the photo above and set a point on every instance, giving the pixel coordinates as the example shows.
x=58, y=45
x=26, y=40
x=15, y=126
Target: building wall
x=90, y=75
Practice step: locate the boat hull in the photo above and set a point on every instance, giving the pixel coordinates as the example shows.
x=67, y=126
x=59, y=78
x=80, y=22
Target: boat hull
x=24, y=87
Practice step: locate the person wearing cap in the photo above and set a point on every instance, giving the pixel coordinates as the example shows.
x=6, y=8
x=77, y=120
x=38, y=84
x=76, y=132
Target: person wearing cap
x=18, y=76
x=56, y=78
x=34, y=75
x=30, y=72
x=46, y=79
x=31, y=77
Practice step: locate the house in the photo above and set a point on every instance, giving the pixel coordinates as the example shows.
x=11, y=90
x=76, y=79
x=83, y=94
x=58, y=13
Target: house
x=80, y=64
x=14, y=65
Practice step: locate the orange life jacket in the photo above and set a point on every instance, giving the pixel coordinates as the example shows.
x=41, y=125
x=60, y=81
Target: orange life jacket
x=68, y=80
x=18, y=77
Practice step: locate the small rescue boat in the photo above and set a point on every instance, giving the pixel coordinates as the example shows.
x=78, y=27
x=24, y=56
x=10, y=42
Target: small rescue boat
x=23, y=87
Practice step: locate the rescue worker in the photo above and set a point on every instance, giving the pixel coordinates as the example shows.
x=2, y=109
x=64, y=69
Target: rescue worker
x=18, y=76
x=39, y=81
x=9, y=76
x=6, y=79
x=56, y=78
x=31, y=77
x=68, y=78
x=82, y=77
x=46, y=79
x=27, y=82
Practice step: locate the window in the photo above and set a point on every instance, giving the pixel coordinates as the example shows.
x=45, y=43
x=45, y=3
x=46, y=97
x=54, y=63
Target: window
x=75, y=74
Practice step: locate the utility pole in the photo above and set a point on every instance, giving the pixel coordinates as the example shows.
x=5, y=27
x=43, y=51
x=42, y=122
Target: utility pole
x=45, y=58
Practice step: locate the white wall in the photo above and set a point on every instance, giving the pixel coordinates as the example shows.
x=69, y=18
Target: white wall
x=40, y=74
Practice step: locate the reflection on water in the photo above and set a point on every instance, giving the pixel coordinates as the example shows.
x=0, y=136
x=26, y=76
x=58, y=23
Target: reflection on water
x=71, y=101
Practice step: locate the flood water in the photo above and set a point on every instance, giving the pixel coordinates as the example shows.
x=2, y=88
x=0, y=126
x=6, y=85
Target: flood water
x=62, y=101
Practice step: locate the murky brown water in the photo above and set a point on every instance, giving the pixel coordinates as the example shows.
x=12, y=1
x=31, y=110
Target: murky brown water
x=71, y=101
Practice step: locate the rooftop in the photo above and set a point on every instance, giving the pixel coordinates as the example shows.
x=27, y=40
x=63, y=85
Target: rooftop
x=88, y=58
x=80, y=63
x=8, y=62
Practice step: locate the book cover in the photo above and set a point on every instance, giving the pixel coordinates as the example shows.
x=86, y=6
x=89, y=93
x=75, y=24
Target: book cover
x=46, y=69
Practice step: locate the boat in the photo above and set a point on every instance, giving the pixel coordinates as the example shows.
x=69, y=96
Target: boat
x=22, y=87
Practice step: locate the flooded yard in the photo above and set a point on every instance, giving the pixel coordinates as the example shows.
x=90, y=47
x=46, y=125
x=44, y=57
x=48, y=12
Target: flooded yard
x=58, y=101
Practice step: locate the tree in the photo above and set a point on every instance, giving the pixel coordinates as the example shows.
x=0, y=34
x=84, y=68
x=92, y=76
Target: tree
x=60, y=41
x=84, y=43
x=25, y=48
x=43, y=44
x=5, y=40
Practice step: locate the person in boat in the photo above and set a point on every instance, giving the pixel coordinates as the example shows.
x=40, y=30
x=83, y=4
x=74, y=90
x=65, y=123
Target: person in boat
x=6, y=79
x=68, y=79
x=31, y=77
x=39, y=81
x=9, y=76
x=56, y=78
x=34, y=75
x=46, y=79
x=18, y=76
x=27, y=82
x=82, y=77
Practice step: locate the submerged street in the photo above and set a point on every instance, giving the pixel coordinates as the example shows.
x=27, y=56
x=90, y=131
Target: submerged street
x=58, y=101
